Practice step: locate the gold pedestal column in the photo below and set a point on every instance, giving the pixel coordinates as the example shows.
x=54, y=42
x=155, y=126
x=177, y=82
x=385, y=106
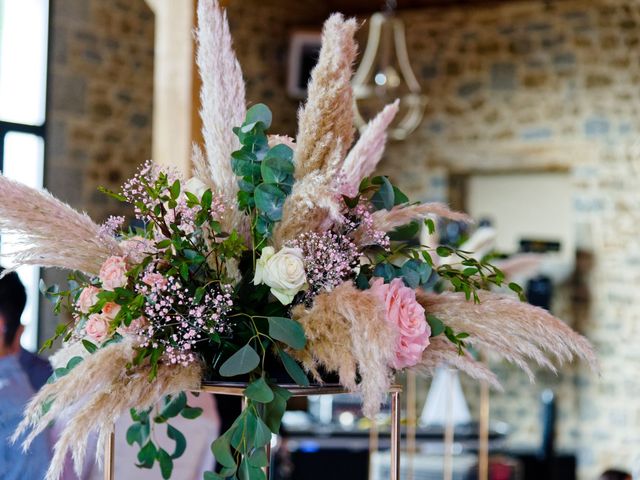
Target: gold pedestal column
x=237, y=389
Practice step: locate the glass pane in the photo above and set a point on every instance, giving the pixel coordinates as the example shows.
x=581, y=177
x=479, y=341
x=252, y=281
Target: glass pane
x=23, y=161
x=23, y=60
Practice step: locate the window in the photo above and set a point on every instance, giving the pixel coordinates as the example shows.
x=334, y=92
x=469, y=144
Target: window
x=24, y=31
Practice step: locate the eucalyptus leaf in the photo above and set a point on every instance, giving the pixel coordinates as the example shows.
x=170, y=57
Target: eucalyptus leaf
x=277, y=170
x=399, y=196
x=269, y=201
x=166, y=463
x=243, y=361
x=258, y=458
x=293, y=369
x=259, y=391
x=261, y=434
x=288, y=331
x=384, y=197
x=258, y=113
x=191, y=412
x=147, y=455
x=274, y=411
x=181, y=442
x=174, y=406
x=385, y=271
x=133, y=434
x=221, y=450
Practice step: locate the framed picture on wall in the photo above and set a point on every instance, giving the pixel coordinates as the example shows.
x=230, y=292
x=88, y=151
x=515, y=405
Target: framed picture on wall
x=304, y=47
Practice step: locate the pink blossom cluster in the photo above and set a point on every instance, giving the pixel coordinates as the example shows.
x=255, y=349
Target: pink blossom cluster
x=111, y=227
x=176, y=321
x=360, y=217
x=329, y=259
x=137, y=191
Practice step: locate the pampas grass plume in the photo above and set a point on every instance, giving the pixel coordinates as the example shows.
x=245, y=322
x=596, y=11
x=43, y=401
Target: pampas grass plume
x=51, y=232
x=327, y=117
x=367, y=152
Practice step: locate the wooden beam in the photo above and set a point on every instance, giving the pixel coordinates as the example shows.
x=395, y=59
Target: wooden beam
x=173, y=95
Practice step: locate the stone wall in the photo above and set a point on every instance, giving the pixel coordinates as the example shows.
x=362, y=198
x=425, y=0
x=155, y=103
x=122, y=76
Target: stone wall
x=99, y=106
x=100, y=98
x=261, y=32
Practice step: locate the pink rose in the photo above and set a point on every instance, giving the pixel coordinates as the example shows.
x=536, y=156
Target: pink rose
x=113, y=273
x=110, y=310
x=155, y=279
x=134, y=327
x=97, y=326
x=88, y=298
x=403, y=311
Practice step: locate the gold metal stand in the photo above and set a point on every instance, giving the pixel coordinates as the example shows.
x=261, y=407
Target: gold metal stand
x=412, y=423
x=483, y=451
x=109, y=456
x=237, y=389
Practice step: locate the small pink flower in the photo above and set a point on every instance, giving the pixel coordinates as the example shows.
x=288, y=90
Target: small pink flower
x=110, y=310
x=113, y=273
x=97, y=327
x=155, y=280
x=403, y=311
x=137, y=248
x=134, y=327
x=88, y=298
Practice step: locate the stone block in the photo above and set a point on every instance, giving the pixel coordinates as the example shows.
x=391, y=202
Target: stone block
x=503, y=76
x=68, y=93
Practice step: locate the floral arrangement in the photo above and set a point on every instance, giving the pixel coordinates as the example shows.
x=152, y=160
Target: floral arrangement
x=276, y=258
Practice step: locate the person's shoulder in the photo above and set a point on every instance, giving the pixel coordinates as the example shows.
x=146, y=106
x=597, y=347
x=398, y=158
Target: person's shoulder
x=37, y=368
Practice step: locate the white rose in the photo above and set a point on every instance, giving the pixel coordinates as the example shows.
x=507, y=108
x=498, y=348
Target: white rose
x=282, y=271
x=196, y=186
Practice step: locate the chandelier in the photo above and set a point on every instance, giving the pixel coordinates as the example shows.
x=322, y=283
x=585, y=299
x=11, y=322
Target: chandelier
x=385, y=74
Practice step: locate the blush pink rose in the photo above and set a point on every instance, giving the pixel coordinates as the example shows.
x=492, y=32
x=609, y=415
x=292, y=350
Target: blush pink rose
x=155, y=279
x=110, y=310
x=97, y=327
x=134, y=327
x=113, y=273
x=88, y=298
x=407, y=315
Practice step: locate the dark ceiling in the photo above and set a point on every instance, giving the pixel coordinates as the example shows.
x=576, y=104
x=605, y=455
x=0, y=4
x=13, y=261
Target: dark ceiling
x=369, y=6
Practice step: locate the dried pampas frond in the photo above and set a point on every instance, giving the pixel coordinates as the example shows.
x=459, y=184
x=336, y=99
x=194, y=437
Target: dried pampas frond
x=507, y=327
x=387, y=220
x=347, y=333
x=327, y=117
x=98, y=391
x=367, y=152
x=201, y=166
x=441, y=351
x=314, y=204
x=222, y=99
x=51, y=232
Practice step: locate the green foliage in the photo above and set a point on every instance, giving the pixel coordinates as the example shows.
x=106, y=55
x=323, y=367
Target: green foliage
x=259, y=391
x=243, y=361
x=140, y=433
x=266, y=174
x=287, y=331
